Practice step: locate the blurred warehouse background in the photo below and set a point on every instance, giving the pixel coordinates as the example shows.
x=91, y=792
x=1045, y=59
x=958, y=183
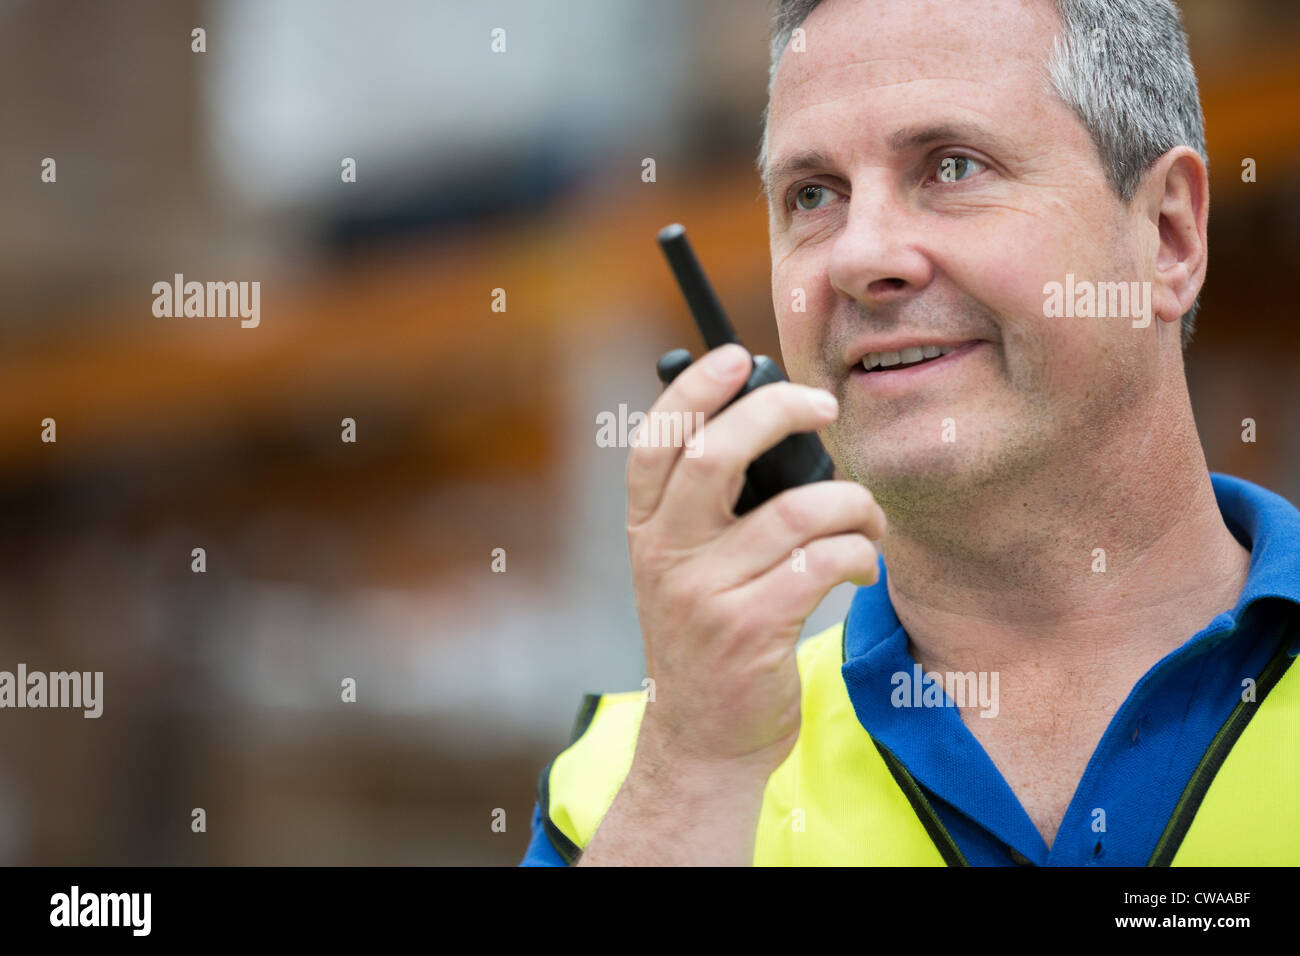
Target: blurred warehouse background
x=475, y=171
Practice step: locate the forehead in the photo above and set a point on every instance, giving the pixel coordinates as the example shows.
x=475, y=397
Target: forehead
x=894, y=63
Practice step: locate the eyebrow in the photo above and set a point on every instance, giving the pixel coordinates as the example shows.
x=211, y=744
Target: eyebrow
x=902, y=140
x=910, y=137
x=800, y=162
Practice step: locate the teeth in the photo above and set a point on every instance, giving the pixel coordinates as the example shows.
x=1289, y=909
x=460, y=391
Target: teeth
x=874, y=360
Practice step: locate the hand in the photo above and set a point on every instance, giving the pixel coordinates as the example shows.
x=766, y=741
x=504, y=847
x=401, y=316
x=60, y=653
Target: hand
x=720, y=599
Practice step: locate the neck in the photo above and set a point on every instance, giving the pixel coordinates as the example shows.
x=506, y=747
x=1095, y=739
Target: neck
x=1015, y=580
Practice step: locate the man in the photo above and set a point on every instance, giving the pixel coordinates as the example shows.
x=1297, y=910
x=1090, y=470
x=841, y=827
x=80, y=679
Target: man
x=1080, y=651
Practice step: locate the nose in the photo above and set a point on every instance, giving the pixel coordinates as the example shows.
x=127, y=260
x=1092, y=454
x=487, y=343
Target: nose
x=876, y=258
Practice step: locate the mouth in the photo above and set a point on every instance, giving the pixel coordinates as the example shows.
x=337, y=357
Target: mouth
x=912, y=364
x=905, y=358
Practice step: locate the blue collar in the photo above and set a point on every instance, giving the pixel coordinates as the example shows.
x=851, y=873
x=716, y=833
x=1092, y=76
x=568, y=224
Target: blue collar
x=937, y=748
x=1269, y=526
x=1265, y=523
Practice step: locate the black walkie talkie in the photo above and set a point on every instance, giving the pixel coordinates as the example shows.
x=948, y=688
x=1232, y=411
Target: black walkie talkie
x=798, y=459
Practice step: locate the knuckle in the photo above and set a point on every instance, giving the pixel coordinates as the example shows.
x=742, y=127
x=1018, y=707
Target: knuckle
x=695, y=387
x=741, y=626
x=790, y=511
x=711, y=615
x=649, y=554
x=708, y=466
x=792, y=398
x=637, y=462
x=639, y=555
x=682, y=595
x=636, y=540
x=845, y=555
x=775, y=399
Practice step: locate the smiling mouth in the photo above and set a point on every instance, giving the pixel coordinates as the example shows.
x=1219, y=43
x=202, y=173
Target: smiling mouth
x=906, y=358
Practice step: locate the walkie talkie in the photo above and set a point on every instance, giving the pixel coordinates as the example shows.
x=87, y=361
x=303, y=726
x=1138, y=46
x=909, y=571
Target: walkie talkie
x=798, y=459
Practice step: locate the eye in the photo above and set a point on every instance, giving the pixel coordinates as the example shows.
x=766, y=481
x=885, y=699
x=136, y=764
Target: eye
x=955, y=168
x=810, y=196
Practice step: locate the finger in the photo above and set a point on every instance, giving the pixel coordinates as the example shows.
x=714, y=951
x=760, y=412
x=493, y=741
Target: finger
x=793, y=519
x=703, y=487
x=793, y=588
x=704, y=387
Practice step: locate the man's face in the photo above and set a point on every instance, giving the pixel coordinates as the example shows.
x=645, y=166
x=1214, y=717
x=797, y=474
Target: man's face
x=949, y=184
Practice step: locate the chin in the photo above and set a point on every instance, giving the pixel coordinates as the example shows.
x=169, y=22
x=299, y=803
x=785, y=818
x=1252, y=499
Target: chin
x=908, y=473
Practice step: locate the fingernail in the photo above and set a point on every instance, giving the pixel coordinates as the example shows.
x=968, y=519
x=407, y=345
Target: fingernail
x=726, y=361
x=824, y=402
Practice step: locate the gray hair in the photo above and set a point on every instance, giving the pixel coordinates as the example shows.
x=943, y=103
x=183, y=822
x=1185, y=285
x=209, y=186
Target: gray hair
x=1135, y=107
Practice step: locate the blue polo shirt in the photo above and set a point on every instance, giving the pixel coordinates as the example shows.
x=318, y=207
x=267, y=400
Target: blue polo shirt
x=1150, y=748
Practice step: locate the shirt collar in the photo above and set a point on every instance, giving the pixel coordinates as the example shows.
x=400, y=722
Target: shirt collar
x=1269, y=526
x=1264, y=522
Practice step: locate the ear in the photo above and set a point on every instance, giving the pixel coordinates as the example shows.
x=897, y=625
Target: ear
x=1177, y=192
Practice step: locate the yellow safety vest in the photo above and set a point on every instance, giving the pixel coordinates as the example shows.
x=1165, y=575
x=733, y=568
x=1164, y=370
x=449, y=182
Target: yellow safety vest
x=840, y=799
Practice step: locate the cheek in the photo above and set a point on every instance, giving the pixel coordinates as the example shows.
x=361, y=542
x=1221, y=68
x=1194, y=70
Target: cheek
x=1006, y=271
x=1009, y=266
x=801, y=299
